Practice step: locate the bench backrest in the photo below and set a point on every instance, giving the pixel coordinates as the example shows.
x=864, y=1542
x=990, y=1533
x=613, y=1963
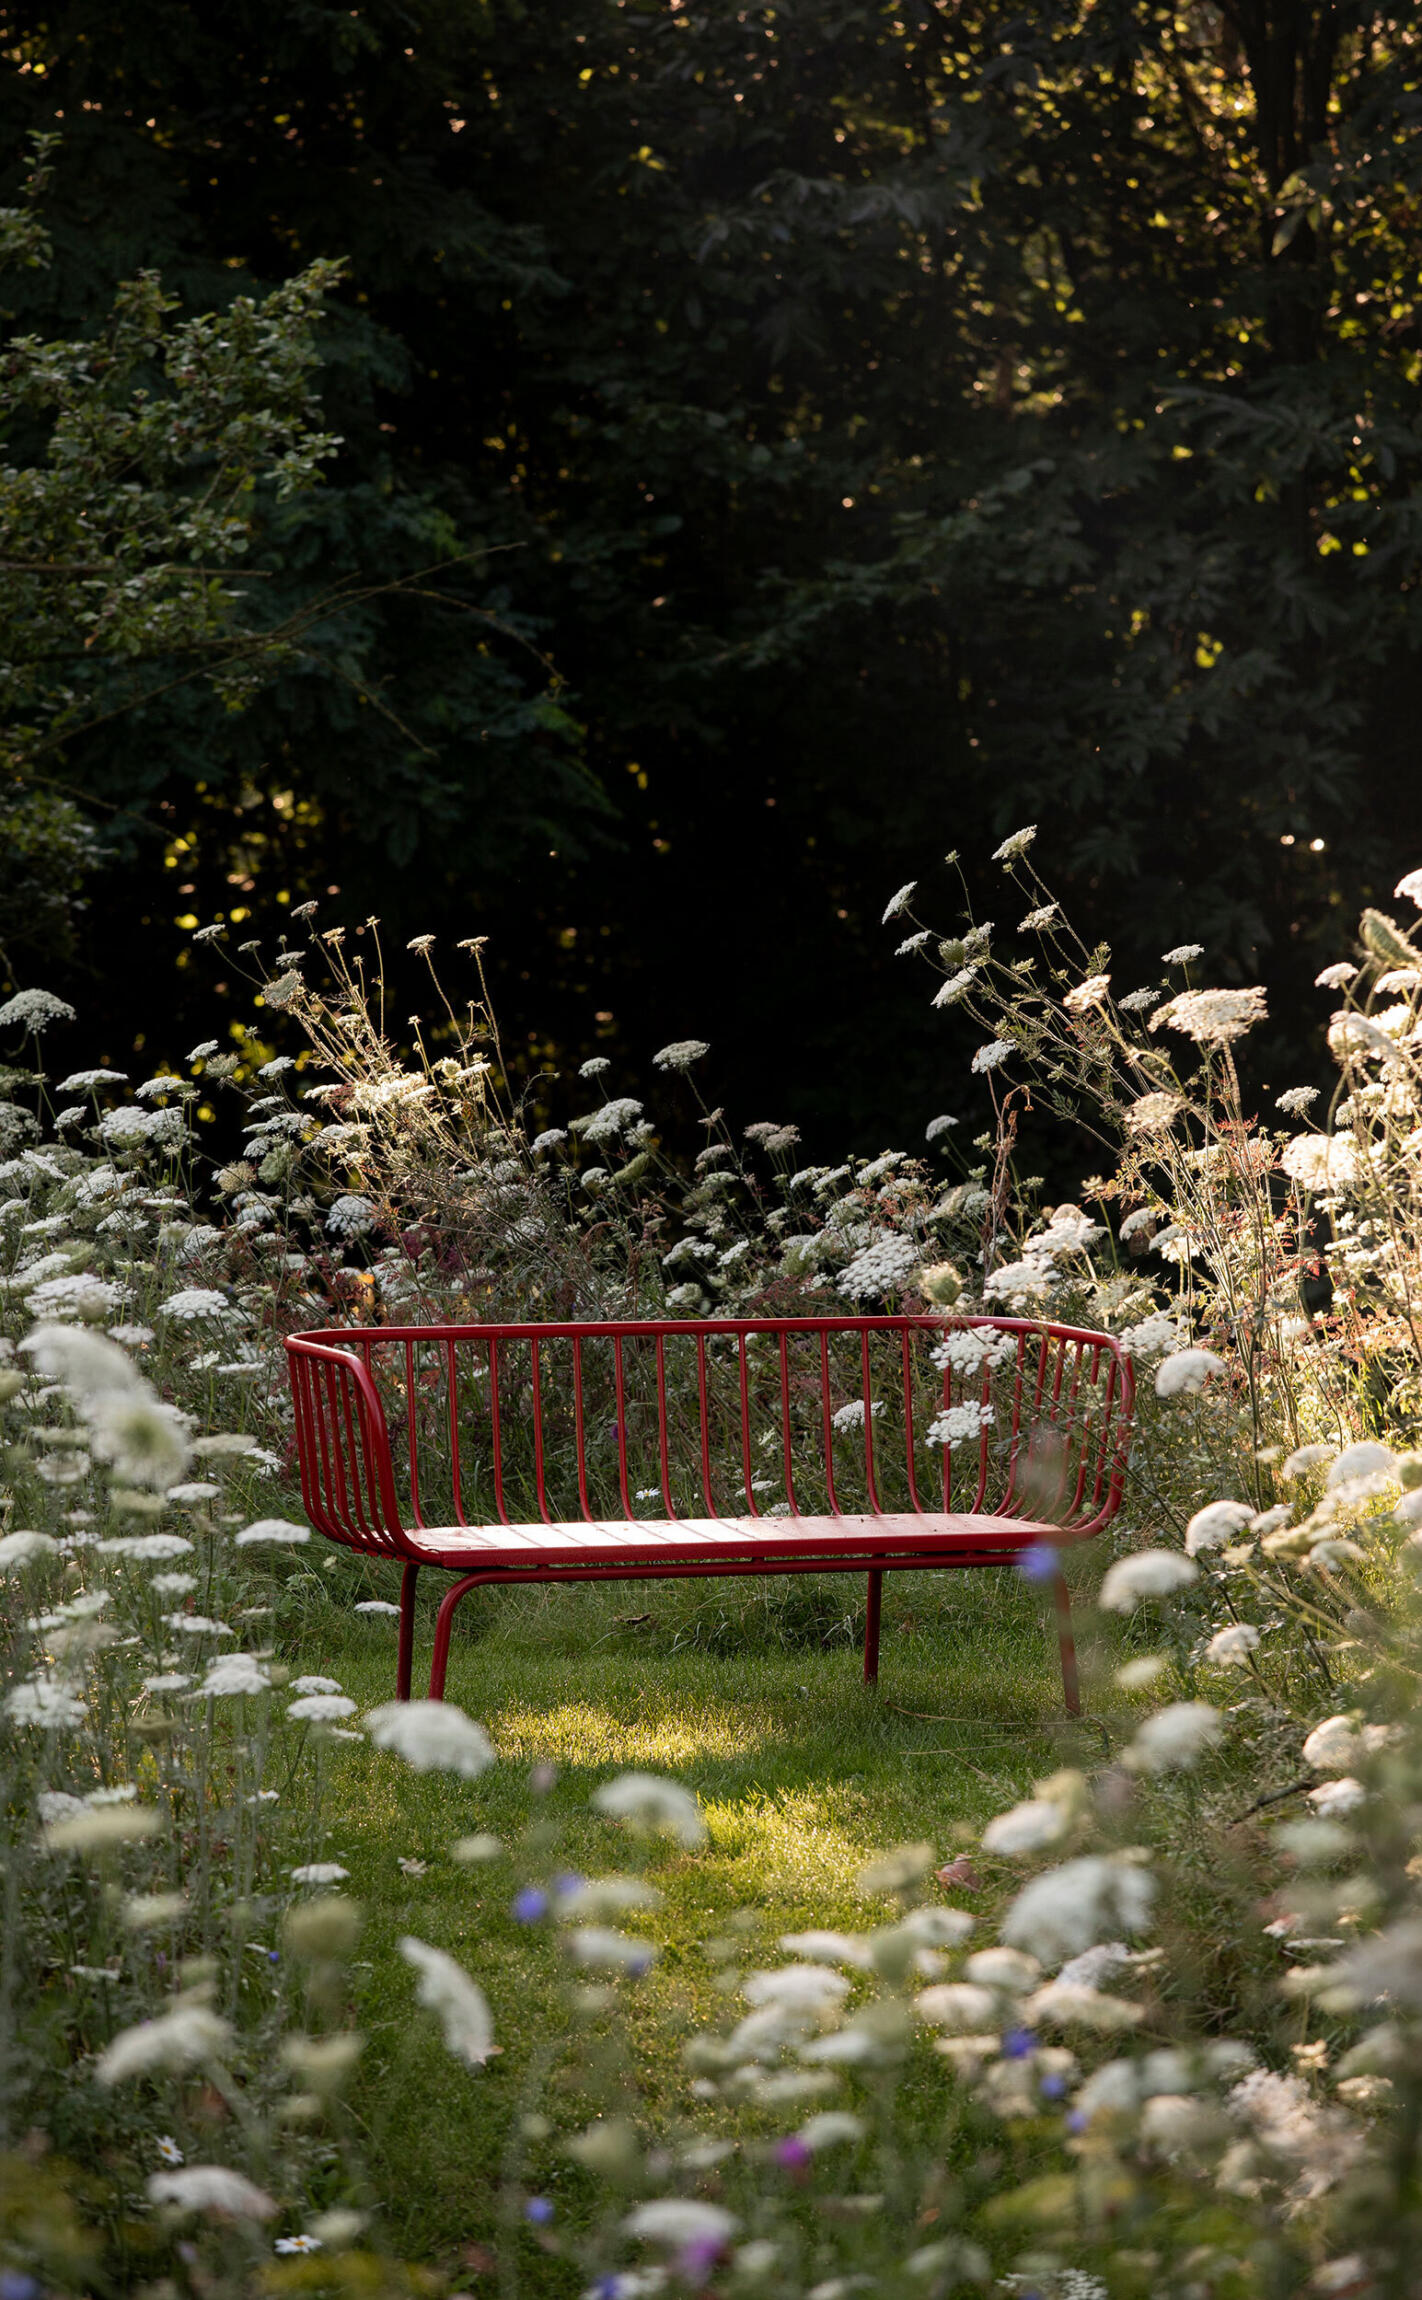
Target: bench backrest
x=711, y=1417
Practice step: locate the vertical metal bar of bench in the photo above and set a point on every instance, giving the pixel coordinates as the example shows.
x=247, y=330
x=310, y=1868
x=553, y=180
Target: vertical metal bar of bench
x=662, y=1450
x=619, y=1379
x=412, y=1443
x=579, y=1429
x=827, y=1422
x=874, y=1591
x=785, y=1422
x=535, y=1350
x=452, y=1379
x=498, y=1444
x=906, y=1337
x=1072, y=1508
x=751, y=1508
x=705, y=1425
x=869, y=1476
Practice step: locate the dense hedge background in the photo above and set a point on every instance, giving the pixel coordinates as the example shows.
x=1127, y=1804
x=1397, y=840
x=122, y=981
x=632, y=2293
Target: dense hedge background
x=807, y=438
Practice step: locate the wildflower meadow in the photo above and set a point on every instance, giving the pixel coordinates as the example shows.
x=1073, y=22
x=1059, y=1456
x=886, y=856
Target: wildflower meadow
x=664, y=1957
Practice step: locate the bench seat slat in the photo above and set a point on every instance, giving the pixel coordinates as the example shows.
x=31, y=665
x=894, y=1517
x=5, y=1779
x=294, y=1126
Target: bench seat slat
x=615, y=1541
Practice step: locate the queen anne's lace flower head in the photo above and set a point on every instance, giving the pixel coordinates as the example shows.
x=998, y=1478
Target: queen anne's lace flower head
x=187, y=2037
x=882, y=1267
x=34, y=1010
x=682, y=2223
x=350, y=1216
x=1027, y=1828
x=268, y=1532
x=899, y=902
x=1174, y=1738
x=1152, y=1113
x=651, y=1802
x=1088, y=994
x=460, y=2005
x=1146, y=1573
x=1212, y=1017
x=681, y=1054
x=1067, y=1910
x=432, y=1737
x=1016, y=844
x=1186, y=1371
x=1232, y=1645
x=612, y=1119
x=212, y=2188
x=956, y=986
x=1217, y=1523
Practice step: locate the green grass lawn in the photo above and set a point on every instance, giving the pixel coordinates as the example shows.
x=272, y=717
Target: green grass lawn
x=802, y=1773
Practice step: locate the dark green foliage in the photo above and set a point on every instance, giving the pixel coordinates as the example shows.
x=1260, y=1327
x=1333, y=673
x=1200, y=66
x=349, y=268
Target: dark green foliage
x=844, y=431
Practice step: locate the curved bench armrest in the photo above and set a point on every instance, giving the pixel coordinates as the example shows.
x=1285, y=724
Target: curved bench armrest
x=343, y=1443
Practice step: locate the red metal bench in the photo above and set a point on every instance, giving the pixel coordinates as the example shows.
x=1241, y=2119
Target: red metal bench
x=668, y=1448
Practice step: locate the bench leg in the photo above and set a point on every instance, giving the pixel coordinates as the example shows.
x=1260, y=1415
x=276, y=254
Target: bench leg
x=444, y=1623
x=405, y=1663
x=871, y=1628
x=1067, y=1643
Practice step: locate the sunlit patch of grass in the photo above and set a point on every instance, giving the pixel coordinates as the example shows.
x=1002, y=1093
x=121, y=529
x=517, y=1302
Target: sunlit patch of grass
x=589, y=1733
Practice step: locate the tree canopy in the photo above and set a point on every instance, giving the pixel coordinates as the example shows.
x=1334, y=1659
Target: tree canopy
x=777, y=445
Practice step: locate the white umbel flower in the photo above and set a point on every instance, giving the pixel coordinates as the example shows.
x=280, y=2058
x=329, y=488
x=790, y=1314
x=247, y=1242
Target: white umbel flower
x=1175, y=1738
x=812, y=1989
x=1069, y=1909
x=34, y=1010
x=187, y=2037
x=1217, y=1523
x=279, y=1532
x=1212, y=1017
x=1027, y=1828
x=1185, y=1372
x=899, y=902
x=212, y=2188
x=1320, y=1161
x=432, y=1737
x=1087, y=994
x=350, y=1216
x=459, y=2004
x=200, y=1305
x=603, y=1945
x=680, y=2221
x=321, y=1708
x=652, y=1803
x=963, y=2008
x=1232, y=1646
x=1147, y=1573
x=23, y=1548
x=1369, y=1458
x=681, y=1054
x=44, y=1701
x=1015, y=845
x=229, y=1675
x=98, y=1828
